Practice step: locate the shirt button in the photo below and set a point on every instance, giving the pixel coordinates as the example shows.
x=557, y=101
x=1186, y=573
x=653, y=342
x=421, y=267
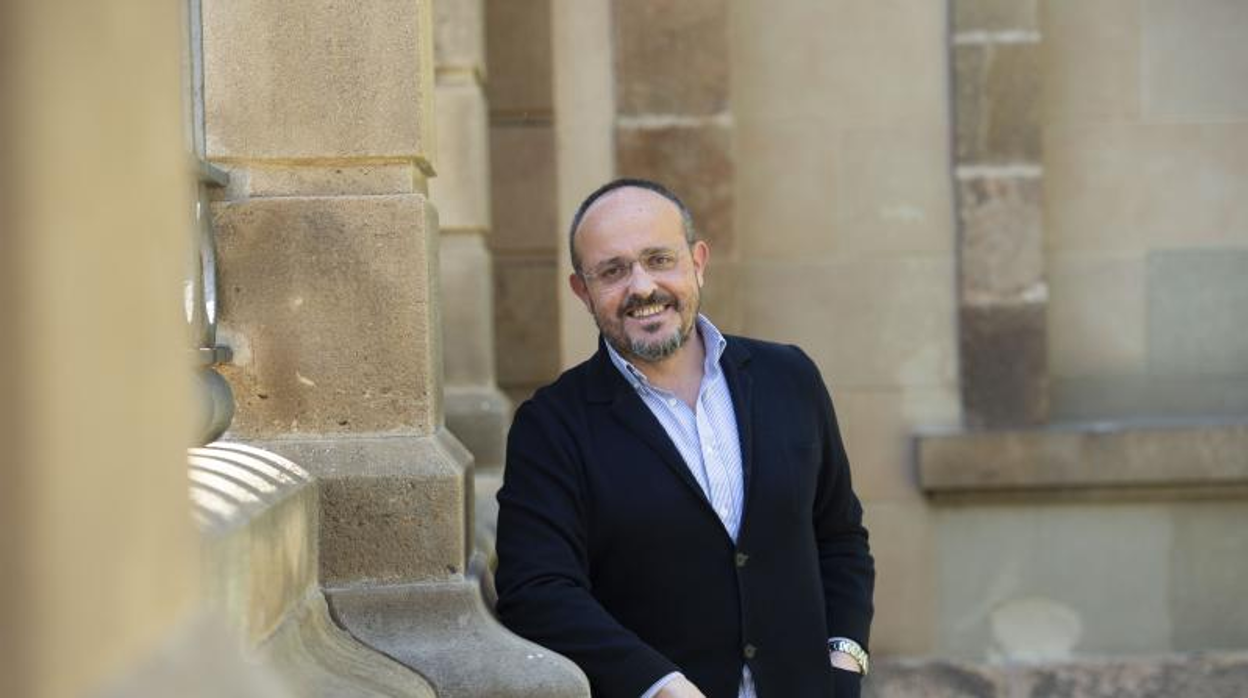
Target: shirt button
x=750, y=651
x=723, y=511
x=672, y=402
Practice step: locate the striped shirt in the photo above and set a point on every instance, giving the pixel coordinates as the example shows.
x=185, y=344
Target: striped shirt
x=707, y=439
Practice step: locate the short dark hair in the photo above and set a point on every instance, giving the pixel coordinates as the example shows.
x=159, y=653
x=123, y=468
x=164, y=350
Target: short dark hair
x=686, y=216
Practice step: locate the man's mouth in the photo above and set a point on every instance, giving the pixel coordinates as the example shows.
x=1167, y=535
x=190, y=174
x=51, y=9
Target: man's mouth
x=644, y=311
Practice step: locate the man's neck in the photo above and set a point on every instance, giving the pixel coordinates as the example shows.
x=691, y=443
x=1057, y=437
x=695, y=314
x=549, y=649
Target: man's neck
x=680, y=373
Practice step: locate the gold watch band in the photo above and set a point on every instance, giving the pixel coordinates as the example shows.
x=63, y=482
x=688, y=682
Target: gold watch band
x=853, y=649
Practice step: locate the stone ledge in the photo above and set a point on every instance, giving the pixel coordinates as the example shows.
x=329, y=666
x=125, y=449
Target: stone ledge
x=1197, y=675
x=1173, y=454
x=260, y=560
x=443, y=631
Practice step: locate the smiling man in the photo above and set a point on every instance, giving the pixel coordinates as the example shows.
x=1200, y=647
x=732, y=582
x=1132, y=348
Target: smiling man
x=677, y=515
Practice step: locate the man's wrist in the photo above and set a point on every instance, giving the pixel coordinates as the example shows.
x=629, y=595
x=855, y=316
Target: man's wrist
x=852, y=650
x=658, y=685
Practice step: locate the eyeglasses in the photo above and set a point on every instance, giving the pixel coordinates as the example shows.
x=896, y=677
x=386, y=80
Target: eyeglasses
x=618, y=271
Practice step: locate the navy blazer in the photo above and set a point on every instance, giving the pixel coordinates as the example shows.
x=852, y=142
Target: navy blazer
x=610, y=554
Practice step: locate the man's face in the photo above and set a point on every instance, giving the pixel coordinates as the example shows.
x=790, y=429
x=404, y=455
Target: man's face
x=640, y=279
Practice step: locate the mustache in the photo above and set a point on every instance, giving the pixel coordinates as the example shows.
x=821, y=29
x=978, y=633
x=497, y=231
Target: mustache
x=634, y=302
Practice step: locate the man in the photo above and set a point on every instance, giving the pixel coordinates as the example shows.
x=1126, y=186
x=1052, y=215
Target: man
x=677, y=515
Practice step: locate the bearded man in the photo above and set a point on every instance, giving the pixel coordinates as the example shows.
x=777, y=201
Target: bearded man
x=677, y=515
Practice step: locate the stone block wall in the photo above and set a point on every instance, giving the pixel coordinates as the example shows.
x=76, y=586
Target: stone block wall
x=1147, y=242
x=845, y=246
x=526, y=241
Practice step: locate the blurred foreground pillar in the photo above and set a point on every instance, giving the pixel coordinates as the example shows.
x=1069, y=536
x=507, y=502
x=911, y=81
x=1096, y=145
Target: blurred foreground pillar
x=98, y=555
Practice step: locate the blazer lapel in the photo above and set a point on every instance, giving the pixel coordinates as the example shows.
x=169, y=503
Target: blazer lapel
x=740, y=384
x=607, y=385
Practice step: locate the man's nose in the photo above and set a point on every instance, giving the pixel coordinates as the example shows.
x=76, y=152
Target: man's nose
x=640, y=282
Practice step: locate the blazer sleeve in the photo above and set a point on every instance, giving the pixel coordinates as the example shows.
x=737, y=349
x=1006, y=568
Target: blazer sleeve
x=544, y=590
x=845, y=562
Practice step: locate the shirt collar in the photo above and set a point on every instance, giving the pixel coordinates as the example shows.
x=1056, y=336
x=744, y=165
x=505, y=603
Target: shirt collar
x=712, y=339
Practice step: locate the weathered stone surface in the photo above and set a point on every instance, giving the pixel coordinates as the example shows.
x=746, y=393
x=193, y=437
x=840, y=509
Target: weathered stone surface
x=467, y=311
x=527, y=344
x=1205, y=675
x=997, y=97
x=479, y=417
x=1191, y=676
x=1096, y=455
x=392, y=507
x=459, y=36
x=522, y=189
x=1190, y=59
x=671, y=57
x=327, y=305
x=1004, y=364
x=931, y=680
x=461, y=190
x=444, y=632
x=994, y=15
x=1198, y=311
x=367, y=94
x=696, y=163
x=1001, y=250
x=518, y=48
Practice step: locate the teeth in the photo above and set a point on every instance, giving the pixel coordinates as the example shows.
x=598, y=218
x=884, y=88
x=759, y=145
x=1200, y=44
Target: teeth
x=647, y=311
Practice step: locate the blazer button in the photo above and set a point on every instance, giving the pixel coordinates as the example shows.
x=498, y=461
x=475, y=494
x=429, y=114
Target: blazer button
x=742, y=558
x=750, y=651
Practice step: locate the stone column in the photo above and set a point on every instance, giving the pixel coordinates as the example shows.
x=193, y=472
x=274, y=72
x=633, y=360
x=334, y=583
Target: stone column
x=525, y=239
x=98, y=555
x=324, y=116
x=1003, y=296
x=477, y=412
x=673, y=121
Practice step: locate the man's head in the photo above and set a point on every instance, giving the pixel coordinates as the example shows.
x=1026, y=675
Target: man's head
x=638, y=268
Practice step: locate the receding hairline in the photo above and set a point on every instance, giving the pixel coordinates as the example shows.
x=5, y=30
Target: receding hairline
x=610, y=188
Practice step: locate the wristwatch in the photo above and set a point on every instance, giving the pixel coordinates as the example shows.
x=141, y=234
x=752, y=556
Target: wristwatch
x=853, y=649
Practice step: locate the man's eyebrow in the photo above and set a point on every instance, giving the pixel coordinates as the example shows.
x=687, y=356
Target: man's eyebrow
x=656, y=250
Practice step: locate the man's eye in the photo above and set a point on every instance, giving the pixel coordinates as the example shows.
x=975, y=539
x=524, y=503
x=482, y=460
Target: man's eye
x=611, y=273
x=660, y=261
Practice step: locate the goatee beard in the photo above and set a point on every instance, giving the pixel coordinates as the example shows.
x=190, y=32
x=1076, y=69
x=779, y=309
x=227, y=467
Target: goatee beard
x=654, y=351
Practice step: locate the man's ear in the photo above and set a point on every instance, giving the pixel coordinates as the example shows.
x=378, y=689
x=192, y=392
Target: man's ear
x=577, y=282
x=701, y=254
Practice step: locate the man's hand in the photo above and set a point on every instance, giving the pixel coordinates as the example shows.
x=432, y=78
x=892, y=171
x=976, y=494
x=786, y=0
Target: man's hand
x=679, y=687
x=842, y=660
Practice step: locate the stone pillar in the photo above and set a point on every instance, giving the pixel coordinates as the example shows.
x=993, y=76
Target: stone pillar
x=1003, y=296
x=673, y=120
x=98, y=555
x=525, y=239
x=330, y=301
x=476, y=410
